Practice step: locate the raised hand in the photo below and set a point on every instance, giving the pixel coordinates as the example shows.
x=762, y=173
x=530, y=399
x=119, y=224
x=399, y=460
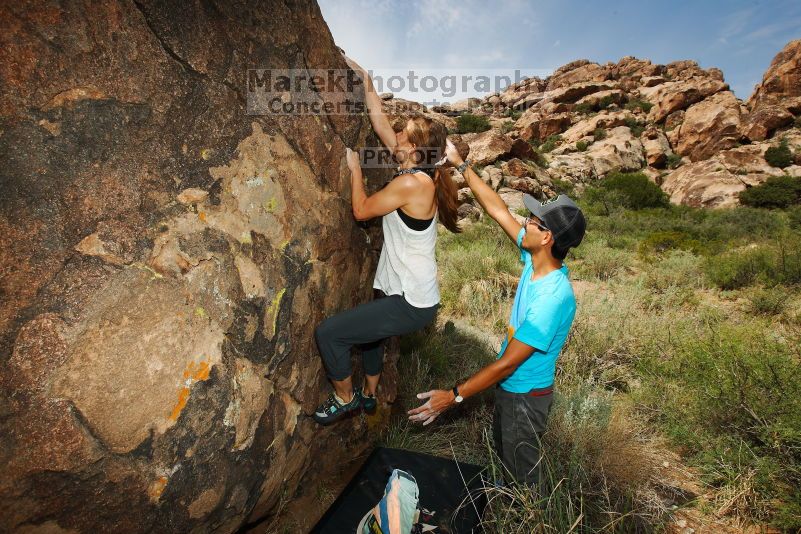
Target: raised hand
x=452, y=154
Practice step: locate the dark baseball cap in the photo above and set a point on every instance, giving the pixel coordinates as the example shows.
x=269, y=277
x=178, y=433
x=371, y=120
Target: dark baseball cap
x=561, y=216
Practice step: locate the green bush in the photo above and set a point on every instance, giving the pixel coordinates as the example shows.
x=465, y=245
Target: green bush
x=550, y=143
x=469, y=123
x=673, y=161
x=770, y=263
x=605, y=102
x=730, y=398
x=768, y=301
x=776, y=192
x=507, y=126
x=513, y=114
x=663, y=241
x=599, y=134
x=635, y=126
x=779, y=156
x=599, y=261
x=585, y=108
x=797, y=122
x=563, y=187
x=581, y=146
x=794, y=217
x=636, y=103
x=632, y=190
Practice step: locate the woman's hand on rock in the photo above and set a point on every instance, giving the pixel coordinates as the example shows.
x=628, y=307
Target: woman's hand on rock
x=352, y=157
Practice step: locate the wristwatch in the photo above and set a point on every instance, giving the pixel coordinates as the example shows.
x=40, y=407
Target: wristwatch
x=458, y=398
x=461, y=168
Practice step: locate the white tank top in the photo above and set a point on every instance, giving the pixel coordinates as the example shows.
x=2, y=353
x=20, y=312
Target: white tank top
x=407, y=265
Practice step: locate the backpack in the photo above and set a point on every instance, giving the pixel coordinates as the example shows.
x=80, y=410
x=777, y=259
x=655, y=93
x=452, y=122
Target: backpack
x=396, y=512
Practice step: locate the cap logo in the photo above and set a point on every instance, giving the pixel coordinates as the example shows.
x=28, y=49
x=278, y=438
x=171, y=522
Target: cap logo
x=549, y=201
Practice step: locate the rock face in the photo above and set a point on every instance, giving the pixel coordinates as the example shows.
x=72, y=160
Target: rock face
x=782, y=80
x=709, y=126
x=166, y=258
x=587, y=120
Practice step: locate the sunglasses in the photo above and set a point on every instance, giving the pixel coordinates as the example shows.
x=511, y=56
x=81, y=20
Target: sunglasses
x=530, y=220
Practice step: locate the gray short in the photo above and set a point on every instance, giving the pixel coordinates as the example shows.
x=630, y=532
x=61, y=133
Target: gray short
x=517, y=427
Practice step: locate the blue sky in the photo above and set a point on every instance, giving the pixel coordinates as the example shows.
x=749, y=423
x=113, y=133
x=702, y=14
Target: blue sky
x=469, y=36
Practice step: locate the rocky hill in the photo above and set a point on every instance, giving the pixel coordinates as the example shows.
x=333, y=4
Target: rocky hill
x=677, y=123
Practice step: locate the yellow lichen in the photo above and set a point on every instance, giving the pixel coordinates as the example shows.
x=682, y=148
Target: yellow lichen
x=270, y=205
x=273, y=310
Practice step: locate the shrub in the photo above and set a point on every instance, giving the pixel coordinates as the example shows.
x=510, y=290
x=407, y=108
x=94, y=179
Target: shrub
x=635, y=126
x=663, y=241
x=739, y=268
x=769, y=301
x=599, y=261
x=794, y=217
x=779, y=156
x=550, y=143
x=581, y=146
x=676, y=268
x=469, y=123
x=776, y=192
x=507, y=126
x=605, y=102
x=585, y=108
x=513, y=114
x=729, y=397
x=673, y=161
x=797, y=122
x=633, y=190
x=739, y=224
x=636, y=103
x=563, y=187
x=599, y=134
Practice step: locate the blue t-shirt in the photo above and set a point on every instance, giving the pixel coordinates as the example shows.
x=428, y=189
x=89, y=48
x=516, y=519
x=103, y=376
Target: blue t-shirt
x=541, y=317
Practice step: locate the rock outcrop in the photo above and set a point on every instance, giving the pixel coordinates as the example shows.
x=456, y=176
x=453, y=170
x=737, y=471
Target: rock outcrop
x=587, y=120
x=166, y=258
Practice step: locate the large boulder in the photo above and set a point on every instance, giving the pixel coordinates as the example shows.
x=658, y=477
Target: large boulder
x=710, y=126
x=703, y=184
x=782, y=80
x=603, y=120
x=539, y=126
x=166, y=258
x=577, y=72
x=760, y=123
x=680, y=94
x=487, y=147
x=620, y=151
x=656, y=147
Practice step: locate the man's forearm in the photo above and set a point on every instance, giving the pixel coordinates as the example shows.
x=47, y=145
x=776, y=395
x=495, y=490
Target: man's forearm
x=489, y=199
x=485, y=378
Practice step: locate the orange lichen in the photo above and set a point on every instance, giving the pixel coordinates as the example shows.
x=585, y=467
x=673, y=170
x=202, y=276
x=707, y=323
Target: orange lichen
x=202, y=216
x=194, y=372
x=156, y=488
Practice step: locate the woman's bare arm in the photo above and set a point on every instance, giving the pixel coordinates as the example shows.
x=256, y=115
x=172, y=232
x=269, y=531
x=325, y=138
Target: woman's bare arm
x=379, y=120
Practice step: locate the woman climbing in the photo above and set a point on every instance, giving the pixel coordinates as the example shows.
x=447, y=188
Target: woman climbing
x=420, y=193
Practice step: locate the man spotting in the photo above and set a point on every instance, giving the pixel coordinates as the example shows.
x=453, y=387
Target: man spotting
x=542, y=314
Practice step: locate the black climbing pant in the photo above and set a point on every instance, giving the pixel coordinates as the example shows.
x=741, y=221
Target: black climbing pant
x=367, y=326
